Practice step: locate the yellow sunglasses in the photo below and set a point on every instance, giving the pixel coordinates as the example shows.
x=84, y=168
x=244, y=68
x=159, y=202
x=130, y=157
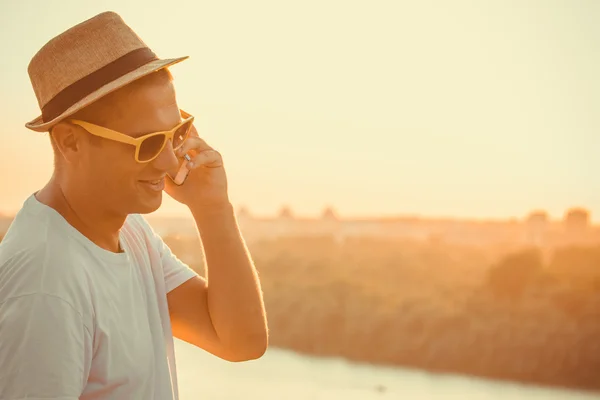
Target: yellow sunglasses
x=149, y=146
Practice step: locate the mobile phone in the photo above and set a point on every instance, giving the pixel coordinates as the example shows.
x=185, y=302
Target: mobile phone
x=178, y=176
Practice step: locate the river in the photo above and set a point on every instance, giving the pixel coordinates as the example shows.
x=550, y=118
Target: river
x=285, y=375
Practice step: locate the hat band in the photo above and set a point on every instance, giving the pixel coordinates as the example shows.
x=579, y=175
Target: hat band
x=94, y=81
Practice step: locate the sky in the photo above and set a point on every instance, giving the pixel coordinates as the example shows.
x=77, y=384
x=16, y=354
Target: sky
x=470, y=109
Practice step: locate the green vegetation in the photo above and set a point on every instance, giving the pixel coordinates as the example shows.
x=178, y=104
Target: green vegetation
x=529, y=317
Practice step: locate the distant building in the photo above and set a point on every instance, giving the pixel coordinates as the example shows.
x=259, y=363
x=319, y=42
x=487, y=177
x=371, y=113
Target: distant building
x=285, y=213
x=329, y=214
x=538, y=218
x=577, y=221
x=536, y=228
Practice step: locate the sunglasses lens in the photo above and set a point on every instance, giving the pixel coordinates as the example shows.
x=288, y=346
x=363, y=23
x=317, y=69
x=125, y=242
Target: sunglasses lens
x=181, y=134
x=150, y=147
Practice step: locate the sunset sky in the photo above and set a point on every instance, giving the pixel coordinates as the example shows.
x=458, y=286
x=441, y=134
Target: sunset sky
x=463, y=108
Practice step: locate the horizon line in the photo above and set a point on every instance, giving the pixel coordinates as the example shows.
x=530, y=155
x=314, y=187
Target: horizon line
x=287, y=211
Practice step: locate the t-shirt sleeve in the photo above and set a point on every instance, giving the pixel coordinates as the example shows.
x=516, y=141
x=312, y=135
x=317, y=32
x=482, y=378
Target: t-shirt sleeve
x=175, y=271
x=45, y=349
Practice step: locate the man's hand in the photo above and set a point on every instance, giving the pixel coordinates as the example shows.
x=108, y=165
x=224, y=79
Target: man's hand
x=206, y=184
x=224, y=313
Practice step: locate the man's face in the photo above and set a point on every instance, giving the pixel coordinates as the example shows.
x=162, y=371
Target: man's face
x=107, y=170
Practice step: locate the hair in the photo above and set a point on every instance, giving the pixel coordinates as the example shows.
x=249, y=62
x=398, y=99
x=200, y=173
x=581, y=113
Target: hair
x=102, y=110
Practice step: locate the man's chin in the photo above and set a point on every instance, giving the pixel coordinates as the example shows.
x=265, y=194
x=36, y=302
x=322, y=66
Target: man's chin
x=147, y=204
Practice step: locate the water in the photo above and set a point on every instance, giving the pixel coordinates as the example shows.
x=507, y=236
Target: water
x=286, y=375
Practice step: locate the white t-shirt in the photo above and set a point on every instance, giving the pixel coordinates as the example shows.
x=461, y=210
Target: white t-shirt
x=81, y=322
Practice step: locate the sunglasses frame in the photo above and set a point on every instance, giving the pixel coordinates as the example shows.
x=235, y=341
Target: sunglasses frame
x=110, y=134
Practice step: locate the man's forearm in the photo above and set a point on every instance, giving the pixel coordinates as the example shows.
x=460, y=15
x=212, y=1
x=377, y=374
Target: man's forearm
x=235, y=300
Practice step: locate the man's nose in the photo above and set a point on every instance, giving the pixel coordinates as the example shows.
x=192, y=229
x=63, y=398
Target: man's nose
x=167, y=160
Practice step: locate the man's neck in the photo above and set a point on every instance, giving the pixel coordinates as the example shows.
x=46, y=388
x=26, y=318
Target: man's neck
x=95, y=223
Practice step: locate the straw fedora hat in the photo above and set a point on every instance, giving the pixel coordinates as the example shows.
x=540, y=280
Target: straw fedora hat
x=85, y=63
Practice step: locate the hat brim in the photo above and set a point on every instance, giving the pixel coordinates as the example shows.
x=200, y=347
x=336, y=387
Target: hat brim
x=39, y=125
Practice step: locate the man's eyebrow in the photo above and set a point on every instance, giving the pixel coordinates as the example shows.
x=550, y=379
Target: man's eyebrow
x=144, y=133
x=140, y=134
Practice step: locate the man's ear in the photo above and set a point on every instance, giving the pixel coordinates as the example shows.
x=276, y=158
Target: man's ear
x=67, y=139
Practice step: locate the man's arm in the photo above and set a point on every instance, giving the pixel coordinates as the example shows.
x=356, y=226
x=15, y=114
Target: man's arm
x=223, y=314
x=45, y=349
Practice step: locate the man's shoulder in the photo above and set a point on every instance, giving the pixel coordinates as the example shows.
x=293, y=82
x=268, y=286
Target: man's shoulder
x=32, y=237
x=37, y=258
x=27, y=240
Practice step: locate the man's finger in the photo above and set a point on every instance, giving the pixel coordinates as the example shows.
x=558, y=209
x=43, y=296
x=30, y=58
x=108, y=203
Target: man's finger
x=207, y=158
x=193, y=143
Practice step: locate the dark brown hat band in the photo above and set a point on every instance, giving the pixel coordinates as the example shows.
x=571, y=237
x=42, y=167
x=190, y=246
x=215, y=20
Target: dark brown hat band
x=94, y=81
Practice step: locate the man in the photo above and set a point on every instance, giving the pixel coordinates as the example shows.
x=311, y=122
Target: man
x=90, y=296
